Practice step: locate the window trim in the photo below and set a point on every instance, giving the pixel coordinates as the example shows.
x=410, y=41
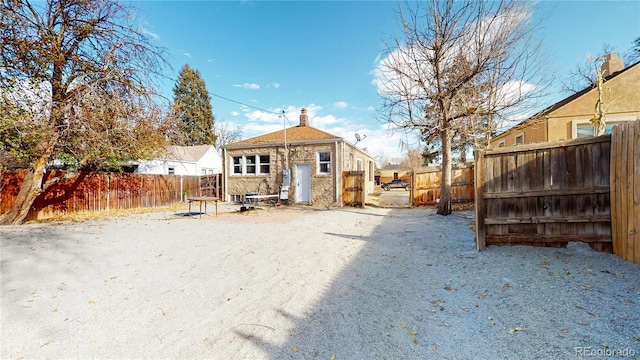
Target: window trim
x=610, y=121
x=260, y=164
x=516, y=136
x=239, y=164
x=256, y=164
x=319, y=163
x=502, y=143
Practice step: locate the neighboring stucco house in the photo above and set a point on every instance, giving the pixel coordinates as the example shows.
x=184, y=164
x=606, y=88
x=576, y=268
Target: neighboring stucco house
x=571, y=117
x=184, y=160
x=307, y=160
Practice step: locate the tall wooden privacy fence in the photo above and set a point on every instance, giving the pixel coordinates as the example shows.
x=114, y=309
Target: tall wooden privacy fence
x=625, y=190
x=545, y=195
x=553, y=193
x=427, y=184
x=100, y=191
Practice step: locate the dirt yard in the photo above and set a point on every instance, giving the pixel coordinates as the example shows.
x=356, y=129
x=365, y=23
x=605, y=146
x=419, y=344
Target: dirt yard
x=301, y=283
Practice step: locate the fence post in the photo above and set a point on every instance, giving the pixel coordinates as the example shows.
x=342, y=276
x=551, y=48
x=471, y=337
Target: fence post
x=181, y=190
x=412, y=188
x=108, y=191
x=479, y=184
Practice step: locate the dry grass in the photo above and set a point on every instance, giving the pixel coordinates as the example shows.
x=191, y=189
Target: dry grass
x=463, y=206
x=87, y=215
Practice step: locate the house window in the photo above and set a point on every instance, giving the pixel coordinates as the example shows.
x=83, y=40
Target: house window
x=172, y=171
x=324, y=162
x=237, y=165
x=265, y=164
x=502, y=143
x=586, y=130
x=519, y=139
x=251, y=164
x=359, y=168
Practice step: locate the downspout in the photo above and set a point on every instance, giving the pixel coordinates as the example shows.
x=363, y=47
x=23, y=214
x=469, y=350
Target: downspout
x=225, y=172
x=338, y=191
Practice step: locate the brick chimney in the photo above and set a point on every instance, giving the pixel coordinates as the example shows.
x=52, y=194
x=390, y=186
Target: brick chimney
x=612, y=65
x=304, y=118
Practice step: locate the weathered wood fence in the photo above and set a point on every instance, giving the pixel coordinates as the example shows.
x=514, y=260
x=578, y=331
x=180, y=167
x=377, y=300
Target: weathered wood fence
x=211, y=185
x=549, y=194
x=101, y=191
x=353, y=185
x=426, y=184
x=625, y=190
x=545, y=194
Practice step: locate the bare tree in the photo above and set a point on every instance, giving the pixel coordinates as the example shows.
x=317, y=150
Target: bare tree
x=412, y=160
x=586, y=74
x=226, y=133
x=457, y=69
x=634, y=53
x=86, y=74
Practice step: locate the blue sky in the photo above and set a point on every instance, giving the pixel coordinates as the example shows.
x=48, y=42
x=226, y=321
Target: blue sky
x=279, y=56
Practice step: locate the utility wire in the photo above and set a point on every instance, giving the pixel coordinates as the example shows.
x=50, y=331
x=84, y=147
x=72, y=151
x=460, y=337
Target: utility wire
x=253, y=107
x=243, y=104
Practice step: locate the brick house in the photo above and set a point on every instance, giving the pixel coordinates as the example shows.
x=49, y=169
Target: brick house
x=305, y=162
x=570, y=118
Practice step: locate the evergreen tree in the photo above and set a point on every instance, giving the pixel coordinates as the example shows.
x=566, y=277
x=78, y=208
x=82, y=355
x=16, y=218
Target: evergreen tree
x=192, y=106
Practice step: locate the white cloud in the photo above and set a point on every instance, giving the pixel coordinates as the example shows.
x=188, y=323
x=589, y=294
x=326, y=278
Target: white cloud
x=247, y=86
x=257, y=128
x=262, y=116
x=235, y=113
x=187, y=54
x=324, y=121
x=380, y=142
x=275, y=85
x=149, y=33
x=341, y=104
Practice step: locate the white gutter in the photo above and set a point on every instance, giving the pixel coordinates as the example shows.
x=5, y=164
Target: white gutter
x=225, y=171
x=338, y=186
x=289, y=144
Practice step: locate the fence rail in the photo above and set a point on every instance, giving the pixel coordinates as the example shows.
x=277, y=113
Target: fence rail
x=427, y=182
x=545, y=195
x=99, y=191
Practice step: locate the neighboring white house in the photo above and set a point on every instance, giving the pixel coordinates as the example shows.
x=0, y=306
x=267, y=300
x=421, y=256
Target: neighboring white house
x=184, y=160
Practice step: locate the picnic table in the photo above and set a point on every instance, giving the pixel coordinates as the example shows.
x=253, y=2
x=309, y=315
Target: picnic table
x=203, y=199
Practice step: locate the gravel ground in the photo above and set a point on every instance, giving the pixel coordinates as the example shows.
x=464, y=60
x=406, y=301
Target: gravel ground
x=301, y=283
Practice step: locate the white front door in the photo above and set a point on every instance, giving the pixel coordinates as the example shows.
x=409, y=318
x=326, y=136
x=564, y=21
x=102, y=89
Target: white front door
x=303, y=183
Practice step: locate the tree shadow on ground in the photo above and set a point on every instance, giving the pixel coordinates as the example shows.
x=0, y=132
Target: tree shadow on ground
x=419, y=289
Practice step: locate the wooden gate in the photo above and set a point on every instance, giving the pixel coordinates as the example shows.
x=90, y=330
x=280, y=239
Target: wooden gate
x=353, y=184
x=211, y=185
x=545, y=194
x=625, y=190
